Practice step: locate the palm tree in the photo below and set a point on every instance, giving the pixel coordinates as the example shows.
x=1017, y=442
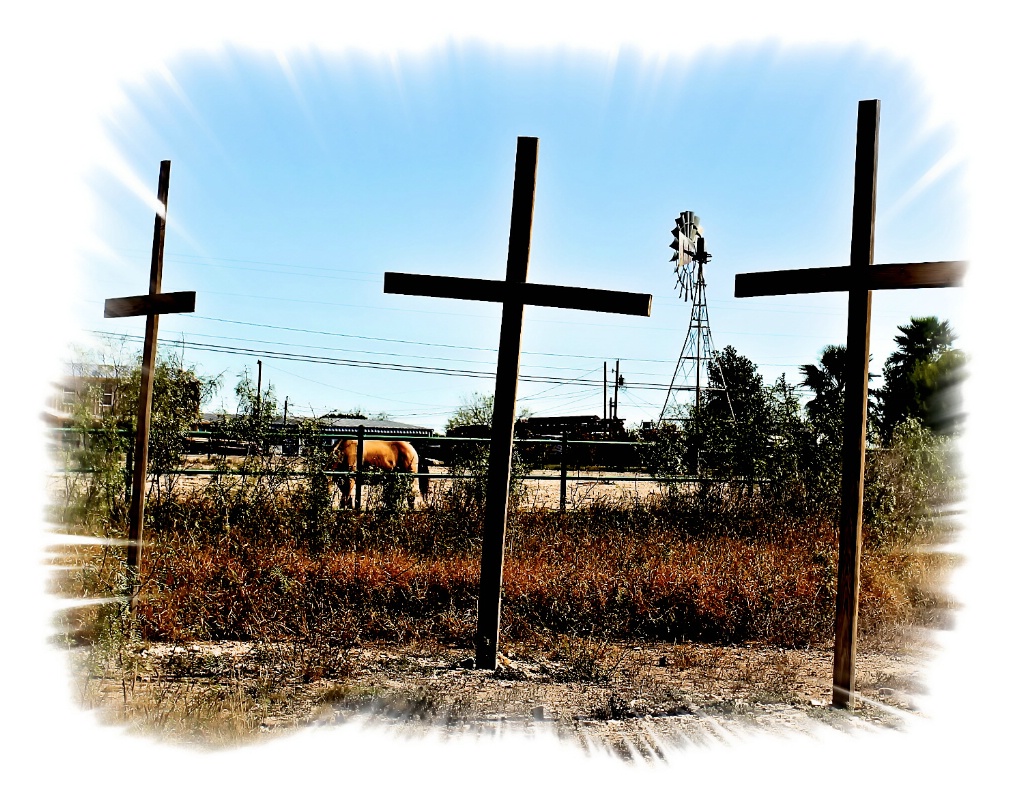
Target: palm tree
x=924, y=338
x=827, y=381
x=924, y=365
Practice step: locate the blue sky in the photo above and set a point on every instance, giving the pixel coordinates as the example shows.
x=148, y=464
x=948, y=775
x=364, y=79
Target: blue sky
x=297, y=180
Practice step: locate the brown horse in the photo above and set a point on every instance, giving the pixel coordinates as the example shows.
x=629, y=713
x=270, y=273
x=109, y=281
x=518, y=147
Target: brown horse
x=381, y=454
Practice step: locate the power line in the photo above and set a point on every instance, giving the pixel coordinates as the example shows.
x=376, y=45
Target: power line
x=367, y=351
x=411, y=342
x=372, y=364
x=664, y=361
x=345, y=390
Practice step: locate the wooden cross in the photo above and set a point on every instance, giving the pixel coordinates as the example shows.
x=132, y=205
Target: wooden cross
x=860, y=278
x=150, y=305
x=513, y=292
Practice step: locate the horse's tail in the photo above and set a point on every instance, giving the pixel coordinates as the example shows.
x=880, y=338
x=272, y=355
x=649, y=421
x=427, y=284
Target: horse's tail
x=423, y=469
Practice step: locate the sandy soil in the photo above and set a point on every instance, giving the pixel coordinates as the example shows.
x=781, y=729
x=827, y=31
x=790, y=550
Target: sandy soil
x=635, y=700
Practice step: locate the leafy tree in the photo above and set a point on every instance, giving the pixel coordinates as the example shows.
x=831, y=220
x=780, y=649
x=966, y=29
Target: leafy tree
x=178, y=396
x=827, y=380
x=921, y=377
x=477, y=410
x=728, y=434
x=937, y=387
x=907, y=484
x=790, y=456
x=742, y=429
x=108, y=438
x=256, y=410
x=740, y=385
x=757, y=433
x=665, y=455
x=471, y=459
x=250, y=426
x=822, y=460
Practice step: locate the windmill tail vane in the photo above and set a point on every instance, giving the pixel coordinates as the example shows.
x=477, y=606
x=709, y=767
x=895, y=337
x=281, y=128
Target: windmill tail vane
x=689, y=255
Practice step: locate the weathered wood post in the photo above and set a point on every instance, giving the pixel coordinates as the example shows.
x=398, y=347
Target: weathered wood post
x=360, y=433
x=150, y=305
x=565, y=471
x=514, y=293
x=859, y=279
x=129, y=470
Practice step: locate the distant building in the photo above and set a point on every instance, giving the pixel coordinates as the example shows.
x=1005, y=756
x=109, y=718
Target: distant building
x=330, y=426
x=94, y=387
x=372, y=427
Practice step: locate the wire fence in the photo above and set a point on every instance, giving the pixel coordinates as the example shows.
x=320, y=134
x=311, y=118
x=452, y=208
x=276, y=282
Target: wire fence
x=568, y=461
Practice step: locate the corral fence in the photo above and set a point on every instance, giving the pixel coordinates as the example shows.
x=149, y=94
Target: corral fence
x=550, y=458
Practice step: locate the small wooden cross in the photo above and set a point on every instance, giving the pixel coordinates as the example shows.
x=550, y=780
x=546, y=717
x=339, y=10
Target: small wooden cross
x=513, y=292
x=860, y=278
x=150, y=305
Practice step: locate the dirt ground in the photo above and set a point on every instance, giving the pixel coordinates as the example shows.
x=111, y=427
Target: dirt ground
x=637, y=701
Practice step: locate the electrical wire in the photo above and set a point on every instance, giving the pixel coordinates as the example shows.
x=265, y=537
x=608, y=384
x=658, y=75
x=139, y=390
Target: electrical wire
x=372, y=364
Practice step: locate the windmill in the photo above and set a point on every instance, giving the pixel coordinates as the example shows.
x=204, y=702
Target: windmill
x=693, y=369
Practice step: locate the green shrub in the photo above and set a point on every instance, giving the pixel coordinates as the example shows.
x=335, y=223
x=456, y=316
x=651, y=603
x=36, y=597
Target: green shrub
x=906, y=484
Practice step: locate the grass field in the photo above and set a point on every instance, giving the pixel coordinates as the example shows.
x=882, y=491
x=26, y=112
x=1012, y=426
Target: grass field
x=273, y=565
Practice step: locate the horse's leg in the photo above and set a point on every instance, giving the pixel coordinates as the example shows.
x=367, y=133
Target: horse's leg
x=350, y=498
x=416, y=485
x=341, y=487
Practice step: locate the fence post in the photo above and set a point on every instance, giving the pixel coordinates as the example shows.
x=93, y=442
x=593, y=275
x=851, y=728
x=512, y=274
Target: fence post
x=359, y=467
x=565, y=469
x=129, y=467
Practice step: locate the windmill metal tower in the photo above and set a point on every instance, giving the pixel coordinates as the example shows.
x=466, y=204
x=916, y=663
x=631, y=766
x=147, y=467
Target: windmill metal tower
x=692, y=372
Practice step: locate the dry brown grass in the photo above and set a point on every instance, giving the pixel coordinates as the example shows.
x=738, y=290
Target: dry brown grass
x=629, y=569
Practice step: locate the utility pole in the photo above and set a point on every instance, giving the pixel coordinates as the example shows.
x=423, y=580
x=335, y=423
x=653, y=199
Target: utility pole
x=284, y=426
x=616, y=415
x=604, y=393
x=259, y=388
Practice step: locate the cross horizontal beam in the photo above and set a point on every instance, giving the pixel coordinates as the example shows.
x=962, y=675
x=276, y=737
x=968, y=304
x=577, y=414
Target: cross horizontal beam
x=930, y=274
x=572, y=297
x=149, y=304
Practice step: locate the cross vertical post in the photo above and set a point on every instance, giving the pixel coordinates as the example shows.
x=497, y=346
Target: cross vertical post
x=151, y=305
x=514, y=293
x=859, y=279
x=137, y=510
x=855, y=403
x=503, y=419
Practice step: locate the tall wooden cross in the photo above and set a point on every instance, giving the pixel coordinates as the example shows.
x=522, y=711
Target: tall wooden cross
x=860, y=278
x=150, y=305
x=513, y=292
